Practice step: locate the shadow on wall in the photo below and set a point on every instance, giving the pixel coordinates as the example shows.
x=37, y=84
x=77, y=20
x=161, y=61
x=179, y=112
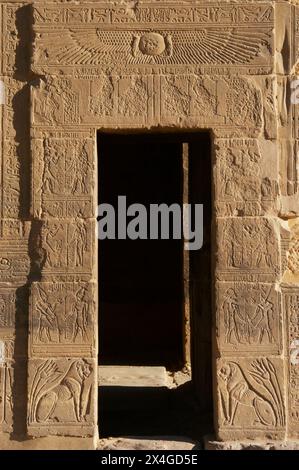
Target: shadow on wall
x=18, y=182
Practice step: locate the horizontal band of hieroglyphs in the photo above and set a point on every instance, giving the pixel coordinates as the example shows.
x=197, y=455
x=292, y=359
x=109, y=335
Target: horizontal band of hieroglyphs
x=214, y=13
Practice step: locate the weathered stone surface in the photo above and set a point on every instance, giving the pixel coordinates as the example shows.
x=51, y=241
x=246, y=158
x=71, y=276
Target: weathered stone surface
x=63, y=176
x=152, y=443
x=251, y=401
x=62, y=319
x=68, y=248
x=130, y=376
x=195, y=35
x=247, y=445
x=291, y=304
x=245, y=183
x=247, y=249
x=233, y=106
x=227, y=67
x=248, y=318
x=61, y=397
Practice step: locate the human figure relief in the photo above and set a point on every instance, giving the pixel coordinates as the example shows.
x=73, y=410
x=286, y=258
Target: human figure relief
x=264, y=253
x=262, y=321
x=51, y=386
x=46, y=106
x=50, y=172
x=47, y=329
x=80, y=315
x=232, y=315
x=238, y=391
x=229, y=173
x=79, y=170
x=54, y=246
x=78, y=243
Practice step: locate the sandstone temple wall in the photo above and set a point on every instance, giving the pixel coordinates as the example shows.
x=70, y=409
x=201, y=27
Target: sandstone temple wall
x=69, y=69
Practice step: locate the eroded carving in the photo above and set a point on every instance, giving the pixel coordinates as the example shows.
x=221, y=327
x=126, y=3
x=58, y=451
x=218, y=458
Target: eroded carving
x=248, y=318
x=7, y=310
x=63, y=177
x=60, y=393
x=291, y=303
x=68, y=247
x=6, y=396
x=251, y=394
x=62, y=318
x=243, y=187
x=249, y=250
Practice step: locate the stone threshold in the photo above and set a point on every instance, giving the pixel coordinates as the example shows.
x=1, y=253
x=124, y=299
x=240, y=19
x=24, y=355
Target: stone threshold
x=148, y=443
x=210, y=444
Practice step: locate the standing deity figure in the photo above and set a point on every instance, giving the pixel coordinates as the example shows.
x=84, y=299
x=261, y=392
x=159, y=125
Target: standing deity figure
x=80, y=313
x=78, y=243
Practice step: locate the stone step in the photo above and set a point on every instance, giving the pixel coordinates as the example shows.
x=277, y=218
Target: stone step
x=132, y=376
x=148, y=443
x=123, y=388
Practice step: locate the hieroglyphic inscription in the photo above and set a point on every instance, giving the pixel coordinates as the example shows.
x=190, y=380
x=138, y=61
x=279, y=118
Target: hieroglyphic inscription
x=291, y=305
x=153, y=35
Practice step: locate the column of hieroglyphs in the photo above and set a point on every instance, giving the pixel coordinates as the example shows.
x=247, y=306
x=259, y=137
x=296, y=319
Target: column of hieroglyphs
x=288, y=102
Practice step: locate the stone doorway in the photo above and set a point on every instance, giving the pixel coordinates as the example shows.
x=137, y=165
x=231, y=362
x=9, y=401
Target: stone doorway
x=154, y=333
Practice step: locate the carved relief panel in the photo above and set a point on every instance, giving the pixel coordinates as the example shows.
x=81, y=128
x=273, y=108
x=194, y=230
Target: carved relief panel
x=7, y=311
x=248, y=318
x=61, y=397
x=68, y=248
x=231, y=106
x=245, y=184
x=63, y=176
x=62, y=319
x=206, y=37
x=251, y=398
x=247, y=249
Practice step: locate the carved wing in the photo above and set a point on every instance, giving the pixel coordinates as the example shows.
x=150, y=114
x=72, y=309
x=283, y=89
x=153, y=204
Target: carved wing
x=215, y=46
x=202, y=46
x=92, y=47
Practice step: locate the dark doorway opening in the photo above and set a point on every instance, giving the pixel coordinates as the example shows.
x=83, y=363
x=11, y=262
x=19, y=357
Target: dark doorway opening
x=154, y=297
x=140, y=281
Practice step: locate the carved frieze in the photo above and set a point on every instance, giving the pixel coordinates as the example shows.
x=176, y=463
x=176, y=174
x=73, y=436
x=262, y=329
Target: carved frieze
x=230, y=105
x=154, y=35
